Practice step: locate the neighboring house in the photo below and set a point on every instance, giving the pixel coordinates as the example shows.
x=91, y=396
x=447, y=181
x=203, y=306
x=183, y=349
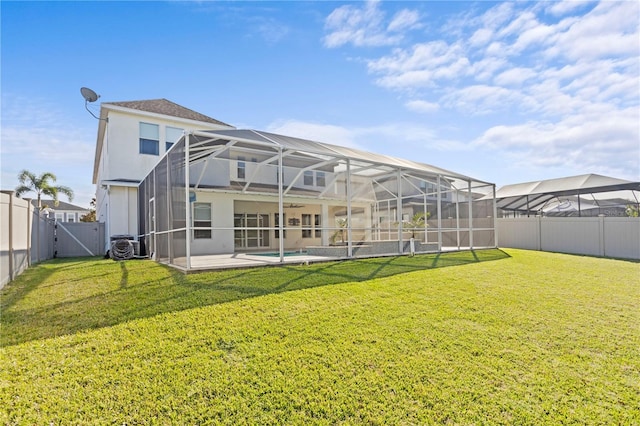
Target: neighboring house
x=63, y=212
x=132, y=137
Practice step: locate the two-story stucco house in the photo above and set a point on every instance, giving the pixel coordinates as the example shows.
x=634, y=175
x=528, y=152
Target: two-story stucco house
x=132, y=137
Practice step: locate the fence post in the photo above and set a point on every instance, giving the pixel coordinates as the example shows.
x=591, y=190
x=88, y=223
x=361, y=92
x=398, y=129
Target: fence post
x=601, y=235
x=29, y=230
x=11, y=252
x=10, y=236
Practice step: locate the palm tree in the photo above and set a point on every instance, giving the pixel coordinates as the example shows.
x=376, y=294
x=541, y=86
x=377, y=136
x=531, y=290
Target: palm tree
x=416, y=223
x=342, y=225
x=43, y=184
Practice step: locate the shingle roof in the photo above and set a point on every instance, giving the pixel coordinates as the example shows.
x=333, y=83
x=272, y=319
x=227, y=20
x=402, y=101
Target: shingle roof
x=166, y=107
x=61, y=205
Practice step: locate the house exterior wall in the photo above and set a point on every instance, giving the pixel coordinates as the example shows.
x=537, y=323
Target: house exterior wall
x=225, y=207
x=120, y=165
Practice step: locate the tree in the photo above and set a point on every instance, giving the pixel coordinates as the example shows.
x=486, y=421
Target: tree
x=91, y=216
x=417, y=222
x=342, y=225
x=631, y=211
x=43, y=184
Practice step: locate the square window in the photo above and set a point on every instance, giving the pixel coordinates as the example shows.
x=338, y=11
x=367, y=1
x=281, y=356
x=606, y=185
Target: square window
x=148, y=146
x=149, y=139
x=308, y=178
x=172, y=135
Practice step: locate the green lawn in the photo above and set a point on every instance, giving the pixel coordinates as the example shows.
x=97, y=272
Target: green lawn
x=485, y=337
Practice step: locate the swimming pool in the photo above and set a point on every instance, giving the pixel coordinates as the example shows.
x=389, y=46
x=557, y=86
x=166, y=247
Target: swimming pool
x=277, y=254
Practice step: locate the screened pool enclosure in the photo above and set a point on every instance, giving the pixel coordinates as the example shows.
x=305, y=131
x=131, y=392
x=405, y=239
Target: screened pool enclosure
x=252, y=193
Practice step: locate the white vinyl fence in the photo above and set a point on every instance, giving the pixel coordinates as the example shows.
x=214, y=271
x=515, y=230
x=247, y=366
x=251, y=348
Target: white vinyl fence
x=26, y=237
x=596, y=236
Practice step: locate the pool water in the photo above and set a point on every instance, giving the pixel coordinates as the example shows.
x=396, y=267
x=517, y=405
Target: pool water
x=286, y=253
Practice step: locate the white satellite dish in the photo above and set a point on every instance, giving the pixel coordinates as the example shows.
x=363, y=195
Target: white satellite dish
x=88, y=94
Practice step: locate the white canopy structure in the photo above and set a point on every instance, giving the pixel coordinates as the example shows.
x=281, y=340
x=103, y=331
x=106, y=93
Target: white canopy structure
x=247, y=191
x=588, y=195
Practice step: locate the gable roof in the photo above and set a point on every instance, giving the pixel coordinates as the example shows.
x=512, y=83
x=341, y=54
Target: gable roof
x=166, y=107
x=162, y=107
x=61, y=205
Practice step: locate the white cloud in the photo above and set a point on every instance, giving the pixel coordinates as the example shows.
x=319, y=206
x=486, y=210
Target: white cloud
x=37, y=137
x=422, y=106
x=383, y=138
x=484, y=99
x=364, y=26
x=422, y=65
x=555, y=83
x=604, y=141
x=610, y=29
x=405, y=19
x=481, y=37
x=514, y=76
x=326, y=133
x=563, y=7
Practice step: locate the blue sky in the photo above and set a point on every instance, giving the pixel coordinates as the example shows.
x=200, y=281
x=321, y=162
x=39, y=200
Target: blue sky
x=504, y=92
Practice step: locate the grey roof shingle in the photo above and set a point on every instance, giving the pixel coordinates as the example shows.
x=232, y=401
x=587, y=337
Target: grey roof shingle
x=166, y=107
x=61, y=205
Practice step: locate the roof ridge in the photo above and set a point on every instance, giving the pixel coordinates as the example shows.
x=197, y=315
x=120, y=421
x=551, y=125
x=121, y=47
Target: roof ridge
x=166, y=107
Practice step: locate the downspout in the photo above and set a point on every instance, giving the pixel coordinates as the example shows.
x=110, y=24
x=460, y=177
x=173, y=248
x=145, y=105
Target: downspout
x=108, y=227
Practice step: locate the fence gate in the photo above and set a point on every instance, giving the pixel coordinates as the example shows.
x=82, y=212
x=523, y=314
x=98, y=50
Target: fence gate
x=79, y=239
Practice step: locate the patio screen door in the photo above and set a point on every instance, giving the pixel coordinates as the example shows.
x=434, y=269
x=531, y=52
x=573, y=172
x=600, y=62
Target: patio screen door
x=249, y=230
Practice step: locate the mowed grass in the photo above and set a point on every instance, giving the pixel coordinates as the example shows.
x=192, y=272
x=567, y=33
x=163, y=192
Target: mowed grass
x=496, y=337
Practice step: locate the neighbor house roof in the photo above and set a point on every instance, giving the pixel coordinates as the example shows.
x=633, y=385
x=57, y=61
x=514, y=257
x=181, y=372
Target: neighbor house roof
x=61, y=205
x=532, y=195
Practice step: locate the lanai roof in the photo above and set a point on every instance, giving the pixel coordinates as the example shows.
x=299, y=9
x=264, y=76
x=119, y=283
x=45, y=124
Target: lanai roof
x=322, y=150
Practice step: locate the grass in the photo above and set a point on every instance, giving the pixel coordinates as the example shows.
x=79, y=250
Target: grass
x=500, y=337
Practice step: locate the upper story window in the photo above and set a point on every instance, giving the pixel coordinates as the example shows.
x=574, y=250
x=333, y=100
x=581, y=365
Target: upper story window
x=242, y=167
x=172, y=135
x=308, y=177
x=320, y=179
x=149, y=139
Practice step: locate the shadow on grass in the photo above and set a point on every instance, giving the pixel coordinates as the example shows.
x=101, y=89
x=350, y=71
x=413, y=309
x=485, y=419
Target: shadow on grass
x=65, y=296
